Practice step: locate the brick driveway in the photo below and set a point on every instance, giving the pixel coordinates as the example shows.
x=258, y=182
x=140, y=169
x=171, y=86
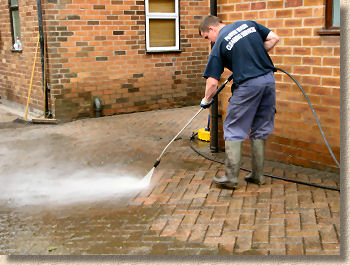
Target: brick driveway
x=280, y=218
x=182, y=212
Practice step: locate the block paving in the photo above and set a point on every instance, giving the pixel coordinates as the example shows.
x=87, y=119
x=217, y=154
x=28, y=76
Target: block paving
x=182, y=212
x=280, y=218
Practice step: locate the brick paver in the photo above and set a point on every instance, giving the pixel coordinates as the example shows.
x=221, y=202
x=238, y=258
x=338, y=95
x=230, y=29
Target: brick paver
x=182, y=212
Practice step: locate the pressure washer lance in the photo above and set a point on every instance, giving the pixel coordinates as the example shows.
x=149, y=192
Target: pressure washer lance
x=147, y=179
x=216, y=93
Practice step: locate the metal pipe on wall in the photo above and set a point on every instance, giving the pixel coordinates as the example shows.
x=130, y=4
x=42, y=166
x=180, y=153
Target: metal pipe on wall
x=42, y=47
x=214, y=142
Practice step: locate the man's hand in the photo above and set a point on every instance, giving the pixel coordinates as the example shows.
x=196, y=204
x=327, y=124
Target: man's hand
x=205, y=104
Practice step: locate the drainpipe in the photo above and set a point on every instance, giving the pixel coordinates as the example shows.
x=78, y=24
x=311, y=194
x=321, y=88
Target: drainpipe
x=42, y=47
x=214, y=146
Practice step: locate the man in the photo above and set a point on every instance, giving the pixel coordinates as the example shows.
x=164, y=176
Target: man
x=242, y=48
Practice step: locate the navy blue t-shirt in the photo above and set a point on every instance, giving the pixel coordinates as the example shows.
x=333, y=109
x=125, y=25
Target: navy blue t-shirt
x=240, y=48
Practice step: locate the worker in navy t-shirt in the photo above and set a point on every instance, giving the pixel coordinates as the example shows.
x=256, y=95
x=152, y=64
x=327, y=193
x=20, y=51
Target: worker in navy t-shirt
x=242, y=47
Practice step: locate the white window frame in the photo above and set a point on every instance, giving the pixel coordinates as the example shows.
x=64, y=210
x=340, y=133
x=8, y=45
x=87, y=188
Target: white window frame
x=15, y=23
x=174, y=16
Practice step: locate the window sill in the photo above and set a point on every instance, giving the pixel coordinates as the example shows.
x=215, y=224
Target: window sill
x=164, y=51
x=19, y=51
x=329, y=32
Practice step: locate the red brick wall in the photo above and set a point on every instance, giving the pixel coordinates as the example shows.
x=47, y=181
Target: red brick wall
x=98, y=50
x=16, y=67
x=314, y=61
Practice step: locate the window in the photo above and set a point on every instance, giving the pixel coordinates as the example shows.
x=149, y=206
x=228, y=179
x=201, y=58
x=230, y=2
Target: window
x=15, y=25
x=332, y=26
x=162, y=25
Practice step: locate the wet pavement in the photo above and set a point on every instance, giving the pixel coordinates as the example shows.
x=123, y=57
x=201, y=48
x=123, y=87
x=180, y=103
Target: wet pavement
x=73, y=188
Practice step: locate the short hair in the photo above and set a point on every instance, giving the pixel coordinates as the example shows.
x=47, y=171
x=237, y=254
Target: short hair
x=207, y=22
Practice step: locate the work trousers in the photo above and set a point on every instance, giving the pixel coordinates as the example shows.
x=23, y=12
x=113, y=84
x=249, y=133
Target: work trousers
x=251, y=110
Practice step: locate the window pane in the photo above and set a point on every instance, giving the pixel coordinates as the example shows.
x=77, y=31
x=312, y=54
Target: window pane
x=336, y=13
x=162, y=32
x=16, y=25
x=14, y=2
x=162, y=6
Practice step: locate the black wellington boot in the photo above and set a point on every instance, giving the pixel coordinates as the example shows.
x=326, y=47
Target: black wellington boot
x=233, y=151
x=258, y=153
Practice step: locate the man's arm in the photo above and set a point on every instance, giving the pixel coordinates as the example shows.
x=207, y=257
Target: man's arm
x=210, y=88
x=271, y=40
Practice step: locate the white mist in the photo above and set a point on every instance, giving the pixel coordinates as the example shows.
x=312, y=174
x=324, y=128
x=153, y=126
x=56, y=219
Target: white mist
x=64, y=186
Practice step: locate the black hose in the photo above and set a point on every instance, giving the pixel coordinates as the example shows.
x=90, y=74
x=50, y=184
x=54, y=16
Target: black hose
x=267, y=175
x=313, y=112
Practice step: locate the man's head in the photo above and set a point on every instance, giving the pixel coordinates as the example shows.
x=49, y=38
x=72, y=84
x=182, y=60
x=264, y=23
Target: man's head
x=210, y=28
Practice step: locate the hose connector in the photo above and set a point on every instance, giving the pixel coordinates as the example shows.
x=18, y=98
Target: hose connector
x=156, y=163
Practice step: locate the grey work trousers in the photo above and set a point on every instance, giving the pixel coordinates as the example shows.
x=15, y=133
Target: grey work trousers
x=251, y=110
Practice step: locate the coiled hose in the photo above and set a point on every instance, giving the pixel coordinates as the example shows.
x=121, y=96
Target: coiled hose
x=281, y=178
